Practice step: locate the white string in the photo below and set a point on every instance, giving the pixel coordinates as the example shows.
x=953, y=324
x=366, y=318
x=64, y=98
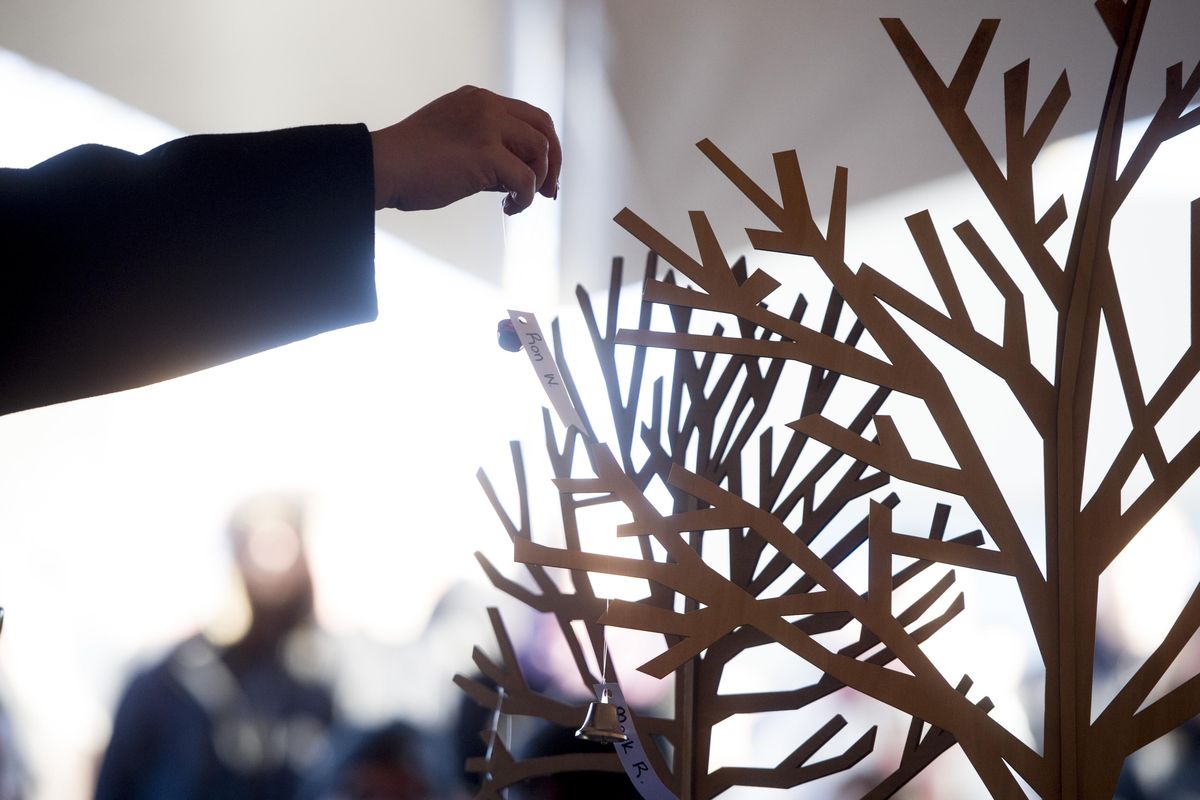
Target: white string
x=604, y=645
x=495, y=727
x=507, y=261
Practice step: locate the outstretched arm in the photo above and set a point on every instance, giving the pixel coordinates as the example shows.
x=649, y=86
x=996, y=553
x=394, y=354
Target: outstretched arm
x=120, y=270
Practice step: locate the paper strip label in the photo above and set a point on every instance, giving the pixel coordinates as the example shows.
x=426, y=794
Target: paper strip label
x=631, y=753
x=538, y=350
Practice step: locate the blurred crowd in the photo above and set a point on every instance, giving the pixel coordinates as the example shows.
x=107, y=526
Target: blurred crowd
x=250, y=711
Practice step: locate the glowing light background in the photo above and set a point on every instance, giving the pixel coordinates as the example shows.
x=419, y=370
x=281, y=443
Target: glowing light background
x=112, y=509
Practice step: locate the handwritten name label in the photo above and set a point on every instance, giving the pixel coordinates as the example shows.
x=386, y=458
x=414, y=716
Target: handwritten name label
x=539, y=352
x=631, y=752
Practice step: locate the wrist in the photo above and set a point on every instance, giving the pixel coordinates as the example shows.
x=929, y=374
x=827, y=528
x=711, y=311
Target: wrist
x=379, y=181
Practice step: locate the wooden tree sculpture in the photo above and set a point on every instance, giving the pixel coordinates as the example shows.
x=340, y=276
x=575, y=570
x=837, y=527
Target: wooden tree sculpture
x=721, y=387
x=690, y=416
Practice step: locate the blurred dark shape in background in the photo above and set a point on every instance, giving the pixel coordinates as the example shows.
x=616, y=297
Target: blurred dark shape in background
x=243, y=719
x=551, y=740
x=1168, y=769
x=394, y=761
x=13, y=777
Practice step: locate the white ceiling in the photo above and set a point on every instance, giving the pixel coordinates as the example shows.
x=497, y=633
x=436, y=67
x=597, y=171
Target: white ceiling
x=642, y=82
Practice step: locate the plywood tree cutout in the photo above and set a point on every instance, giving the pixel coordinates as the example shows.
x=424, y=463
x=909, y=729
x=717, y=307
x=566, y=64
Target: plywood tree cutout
x=1085, y=747
x=686, y=426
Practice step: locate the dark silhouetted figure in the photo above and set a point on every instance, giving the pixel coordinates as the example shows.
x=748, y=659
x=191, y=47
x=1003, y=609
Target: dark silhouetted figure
x=244, y=721
x=392, y=762
x=552, y=741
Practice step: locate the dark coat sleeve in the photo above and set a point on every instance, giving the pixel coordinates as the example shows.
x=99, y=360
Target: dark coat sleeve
x=119, y=270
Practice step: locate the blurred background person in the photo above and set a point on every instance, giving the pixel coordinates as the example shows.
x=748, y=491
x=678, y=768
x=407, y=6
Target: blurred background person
x=13, y=778
x=551, y=740
x=393, y=761
x=240, y=718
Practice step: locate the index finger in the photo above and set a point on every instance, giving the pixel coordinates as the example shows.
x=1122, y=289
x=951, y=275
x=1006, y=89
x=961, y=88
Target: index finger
x=542, y=121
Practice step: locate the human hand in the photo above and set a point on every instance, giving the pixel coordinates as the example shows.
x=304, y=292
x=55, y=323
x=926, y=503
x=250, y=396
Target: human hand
x=468, y=141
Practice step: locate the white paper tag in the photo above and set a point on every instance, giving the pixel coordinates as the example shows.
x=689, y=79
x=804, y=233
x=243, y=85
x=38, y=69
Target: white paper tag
x=538, y=349
x=631, y=752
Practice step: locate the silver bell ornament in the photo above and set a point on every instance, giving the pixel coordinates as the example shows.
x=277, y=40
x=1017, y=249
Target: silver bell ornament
x=601, y=723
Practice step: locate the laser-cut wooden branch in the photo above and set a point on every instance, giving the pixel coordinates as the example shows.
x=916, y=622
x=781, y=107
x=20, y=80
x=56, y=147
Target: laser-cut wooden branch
x=1084, y=534
x=773, y=529
x=708, y=419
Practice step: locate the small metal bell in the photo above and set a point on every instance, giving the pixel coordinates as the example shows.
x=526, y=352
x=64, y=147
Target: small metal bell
x=601, y=724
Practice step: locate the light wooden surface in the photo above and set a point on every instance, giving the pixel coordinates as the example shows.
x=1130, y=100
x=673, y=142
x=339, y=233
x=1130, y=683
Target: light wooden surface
x=698, y=434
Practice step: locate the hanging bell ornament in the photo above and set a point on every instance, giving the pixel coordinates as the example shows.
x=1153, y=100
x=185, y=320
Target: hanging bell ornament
x=601, y=724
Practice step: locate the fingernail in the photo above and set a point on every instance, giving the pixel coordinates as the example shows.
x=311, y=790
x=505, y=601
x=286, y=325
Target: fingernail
x=556, y=187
